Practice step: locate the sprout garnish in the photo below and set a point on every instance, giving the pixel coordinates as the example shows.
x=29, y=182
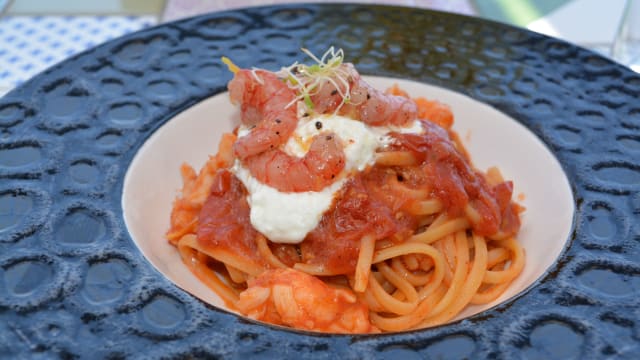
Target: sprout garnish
x=308, y=80
x=230, y=65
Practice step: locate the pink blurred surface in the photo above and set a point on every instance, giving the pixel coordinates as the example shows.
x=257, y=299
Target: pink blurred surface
x=177, y=9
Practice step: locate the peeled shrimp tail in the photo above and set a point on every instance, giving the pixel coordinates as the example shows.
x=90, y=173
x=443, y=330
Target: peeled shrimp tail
x=317, y=169
x=386, y=109
x=264, y=137
x=365, y=103
x=264, y=102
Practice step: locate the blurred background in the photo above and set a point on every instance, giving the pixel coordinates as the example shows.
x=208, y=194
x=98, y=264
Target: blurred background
x=35, y=34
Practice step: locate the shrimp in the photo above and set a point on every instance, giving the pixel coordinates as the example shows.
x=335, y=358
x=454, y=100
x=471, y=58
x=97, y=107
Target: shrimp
x=431, y=110
x=264, y=105
x=365, y=103
x=312, y=172
x=293, y=298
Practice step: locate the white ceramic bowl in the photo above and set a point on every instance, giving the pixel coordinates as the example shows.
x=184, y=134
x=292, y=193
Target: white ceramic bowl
x=492, y=138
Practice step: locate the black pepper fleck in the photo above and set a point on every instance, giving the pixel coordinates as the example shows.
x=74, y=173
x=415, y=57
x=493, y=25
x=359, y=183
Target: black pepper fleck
x=368, y=96
x=334, y=92
x=318, y=125
x=278, y=121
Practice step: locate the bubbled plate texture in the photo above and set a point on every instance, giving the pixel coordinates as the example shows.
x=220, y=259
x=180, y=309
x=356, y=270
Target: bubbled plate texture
x=73, y=284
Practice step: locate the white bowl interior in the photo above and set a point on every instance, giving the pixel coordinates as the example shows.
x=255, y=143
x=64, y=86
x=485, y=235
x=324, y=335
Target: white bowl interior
x=492, y=138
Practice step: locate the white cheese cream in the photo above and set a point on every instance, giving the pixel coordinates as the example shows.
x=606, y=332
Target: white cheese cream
x=287, y=217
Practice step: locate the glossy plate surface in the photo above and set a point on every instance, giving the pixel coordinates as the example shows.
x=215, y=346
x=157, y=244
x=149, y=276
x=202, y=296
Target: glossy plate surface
x=73, y=283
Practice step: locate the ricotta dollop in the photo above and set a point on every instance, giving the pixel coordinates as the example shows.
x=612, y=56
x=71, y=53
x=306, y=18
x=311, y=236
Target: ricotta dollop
x=287, y=217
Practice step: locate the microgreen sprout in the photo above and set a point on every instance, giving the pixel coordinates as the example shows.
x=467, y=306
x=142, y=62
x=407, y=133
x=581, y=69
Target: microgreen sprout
x=230, y=65
x=308, y=80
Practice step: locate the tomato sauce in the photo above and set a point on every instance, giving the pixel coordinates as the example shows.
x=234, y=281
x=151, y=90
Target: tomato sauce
x=224, y=219
x=335, y=242
x=371, y=203
x=455, y=183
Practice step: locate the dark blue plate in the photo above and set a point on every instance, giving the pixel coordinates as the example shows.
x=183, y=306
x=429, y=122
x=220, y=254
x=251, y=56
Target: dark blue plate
x=73, y=284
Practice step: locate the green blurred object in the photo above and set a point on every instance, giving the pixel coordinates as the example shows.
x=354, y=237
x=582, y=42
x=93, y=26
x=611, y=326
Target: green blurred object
x=85, y=7
x=516, y=12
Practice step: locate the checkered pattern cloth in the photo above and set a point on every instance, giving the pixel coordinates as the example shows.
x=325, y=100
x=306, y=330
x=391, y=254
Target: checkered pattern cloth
x=30, y=44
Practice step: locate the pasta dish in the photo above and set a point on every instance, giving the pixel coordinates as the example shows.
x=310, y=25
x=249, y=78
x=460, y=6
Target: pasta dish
x=338, y=207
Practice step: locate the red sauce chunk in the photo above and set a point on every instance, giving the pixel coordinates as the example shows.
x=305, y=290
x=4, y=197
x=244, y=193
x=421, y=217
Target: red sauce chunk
x=453, y=180
x=335, y=242
x=224, y=223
